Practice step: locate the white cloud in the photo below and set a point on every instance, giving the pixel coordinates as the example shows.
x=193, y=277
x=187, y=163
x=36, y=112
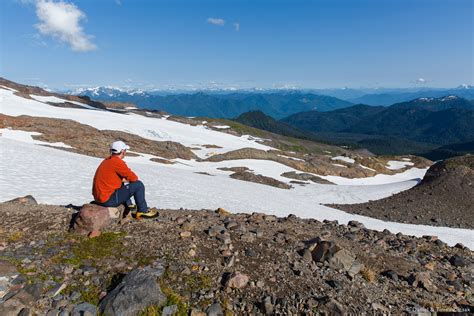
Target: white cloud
x=216, y=21
x=61, y=20
x=237, y=26
x=420, y=80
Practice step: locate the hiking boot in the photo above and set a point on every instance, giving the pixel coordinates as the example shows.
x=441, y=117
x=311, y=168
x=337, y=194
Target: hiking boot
x=149, y=214
x=131, y=208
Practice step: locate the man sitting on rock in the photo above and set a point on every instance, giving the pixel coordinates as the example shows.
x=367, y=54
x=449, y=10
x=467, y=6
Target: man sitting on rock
x=109, y=188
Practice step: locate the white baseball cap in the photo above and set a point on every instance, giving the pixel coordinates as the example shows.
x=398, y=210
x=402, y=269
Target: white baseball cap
x=118, y=146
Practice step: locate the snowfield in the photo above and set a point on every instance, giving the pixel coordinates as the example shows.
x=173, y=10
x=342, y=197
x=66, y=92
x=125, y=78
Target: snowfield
x=56, y=176
x=26, y=169
x=146, y=127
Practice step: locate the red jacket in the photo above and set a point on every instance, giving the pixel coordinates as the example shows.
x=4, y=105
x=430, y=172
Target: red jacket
x=108, y=178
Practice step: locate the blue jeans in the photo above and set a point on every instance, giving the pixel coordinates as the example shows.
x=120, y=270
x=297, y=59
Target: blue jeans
x=123, y=195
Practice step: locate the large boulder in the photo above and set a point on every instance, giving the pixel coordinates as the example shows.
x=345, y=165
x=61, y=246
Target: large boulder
x=94, y=217
x=138, y=290
x=24, y=200
x=337, y=257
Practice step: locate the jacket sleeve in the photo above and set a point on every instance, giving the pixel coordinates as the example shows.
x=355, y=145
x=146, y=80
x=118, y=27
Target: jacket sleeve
x=125, y=172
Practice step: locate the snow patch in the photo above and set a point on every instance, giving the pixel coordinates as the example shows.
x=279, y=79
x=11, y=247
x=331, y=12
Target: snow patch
x=397, y=165
x=26, y=137
x=343, y=158
x=54, y=99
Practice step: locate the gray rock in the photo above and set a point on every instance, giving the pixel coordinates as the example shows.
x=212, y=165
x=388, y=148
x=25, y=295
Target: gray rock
x=34, y=289
x=225, y=238
x=248, y=237
x=52, y=312
x=422, y=279
x=335, y=308
x=216, y=230
x=355, y=269
x=342, y=260
x=84, y=309
x=457, y=261
x=75, y=296
x=137, y=290
x=391, y=275
x=215, y=310
x=169, y=310
x=268, y=306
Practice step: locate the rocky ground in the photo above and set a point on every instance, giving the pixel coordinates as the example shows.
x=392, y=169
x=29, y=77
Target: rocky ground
x=445, y=197
x=198, y=262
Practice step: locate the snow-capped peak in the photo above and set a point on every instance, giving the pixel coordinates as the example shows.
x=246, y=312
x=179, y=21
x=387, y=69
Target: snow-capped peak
x=109, y=91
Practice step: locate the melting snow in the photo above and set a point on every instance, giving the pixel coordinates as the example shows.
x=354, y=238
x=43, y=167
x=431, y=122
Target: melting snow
x=147, y=127
x=26, y=137
x=54, y=99
x=343, y=158
x=397, y=165
x=174, y=186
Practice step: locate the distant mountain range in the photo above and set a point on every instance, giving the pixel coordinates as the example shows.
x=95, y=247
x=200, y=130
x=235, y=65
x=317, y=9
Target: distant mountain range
x=431, y=120
x=389, y=98
x=434, y=127
x=230, y=105
x=278, y=103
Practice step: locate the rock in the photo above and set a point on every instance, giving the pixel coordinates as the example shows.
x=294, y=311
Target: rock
x=169, y=310
x=56, y=290
x=196, y=312
x=25, y=200
x=335, y=284
x=94, y=217
x=324, y=251
x=185, y=234
x=216, y=230
x=231, y=225
x=421, y=279
x=35, y=290
x=343, y=260
x=225, y=238
x=25, y=312
x=7, y=269
x=355, y=269
x=334, y=308
x=237, y=280
x=267, y=305
x=457, y=261
x=52, y=312
x=249, y=252
x=17, y=302
x=188, y=226
x=248, y=237
x=215, y=310
x=379, y=307
x=136, y=291
x=222, y=212
x=392, y=275
x=84, y=309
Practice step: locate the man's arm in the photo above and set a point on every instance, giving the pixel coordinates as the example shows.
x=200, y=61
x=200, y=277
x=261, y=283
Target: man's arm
x=125, y=172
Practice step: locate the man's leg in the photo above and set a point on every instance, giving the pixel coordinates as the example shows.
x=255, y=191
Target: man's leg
x=137, y=190
x=121, y=196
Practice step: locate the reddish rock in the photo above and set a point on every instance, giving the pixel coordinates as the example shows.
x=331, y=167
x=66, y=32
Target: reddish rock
x=94, y=217
x=237, y=280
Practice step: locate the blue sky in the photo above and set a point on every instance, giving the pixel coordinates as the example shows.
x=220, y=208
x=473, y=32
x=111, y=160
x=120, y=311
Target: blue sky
x=308, y=44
